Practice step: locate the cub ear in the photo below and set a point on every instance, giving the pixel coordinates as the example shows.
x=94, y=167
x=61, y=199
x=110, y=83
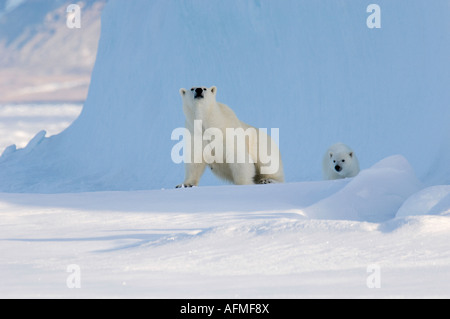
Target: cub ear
x=182, y=92
x=351, y=154
x=331, y=155
x=213, y=90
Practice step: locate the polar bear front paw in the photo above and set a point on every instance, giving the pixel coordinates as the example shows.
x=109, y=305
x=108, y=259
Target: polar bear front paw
x=266, y=181
x=184, y=186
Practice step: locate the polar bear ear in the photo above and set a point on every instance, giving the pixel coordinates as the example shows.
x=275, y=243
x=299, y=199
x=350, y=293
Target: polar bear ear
x=351, y=154
x=331, y=155
x=213, y=90
x=182, y=92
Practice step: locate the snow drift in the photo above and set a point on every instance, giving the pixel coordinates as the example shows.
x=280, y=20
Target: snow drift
x=374, y=195
x=434, y=200
x=227, y=242
x=312, y=69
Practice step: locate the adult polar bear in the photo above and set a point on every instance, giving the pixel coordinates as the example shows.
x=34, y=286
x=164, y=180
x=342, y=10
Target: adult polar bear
x=242, y=163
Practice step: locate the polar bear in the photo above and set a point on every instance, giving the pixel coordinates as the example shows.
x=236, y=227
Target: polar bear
x=339, y=162
x=254, y=159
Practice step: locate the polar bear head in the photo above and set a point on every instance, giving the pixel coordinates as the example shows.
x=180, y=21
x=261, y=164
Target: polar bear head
x=341, y=161
x=198, y=97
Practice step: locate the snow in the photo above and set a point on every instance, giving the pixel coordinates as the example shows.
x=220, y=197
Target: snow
x=374, y=195
x=434, y=200
x=99, y=195
x=21, y=122
x=216, y=242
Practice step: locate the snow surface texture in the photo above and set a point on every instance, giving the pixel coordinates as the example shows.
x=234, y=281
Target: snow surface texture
x=269, y=241
x=312, y=69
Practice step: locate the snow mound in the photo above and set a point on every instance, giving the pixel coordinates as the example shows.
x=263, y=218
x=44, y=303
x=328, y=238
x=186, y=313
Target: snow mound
x=374, y=195
x=434, y=200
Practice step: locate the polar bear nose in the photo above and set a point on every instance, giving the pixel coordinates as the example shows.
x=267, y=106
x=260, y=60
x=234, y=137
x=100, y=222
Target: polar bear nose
x=338, y=168
x=198, y=92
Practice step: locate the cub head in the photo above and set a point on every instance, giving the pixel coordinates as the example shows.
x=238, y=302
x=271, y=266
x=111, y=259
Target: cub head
x=341, y=162
x=198, y=95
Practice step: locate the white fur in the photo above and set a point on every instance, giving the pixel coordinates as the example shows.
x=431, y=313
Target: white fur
x=339, y=162
x=219, y=116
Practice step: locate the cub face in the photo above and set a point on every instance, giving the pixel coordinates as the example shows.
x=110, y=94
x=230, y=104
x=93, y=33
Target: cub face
x=341, y=163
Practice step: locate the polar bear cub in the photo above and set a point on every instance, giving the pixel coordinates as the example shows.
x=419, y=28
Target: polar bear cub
x=339, y=162
x=255, y=159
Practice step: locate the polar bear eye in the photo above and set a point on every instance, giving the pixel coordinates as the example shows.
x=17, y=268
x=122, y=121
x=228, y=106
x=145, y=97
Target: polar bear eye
x=343, y=161
x=334, y=161
x=192, y=89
